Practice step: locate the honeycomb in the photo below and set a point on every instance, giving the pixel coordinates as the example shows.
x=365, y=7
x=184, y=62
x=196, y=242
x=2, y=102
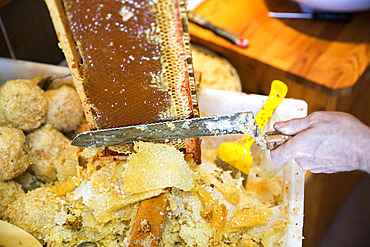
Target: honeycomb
x=136, y=58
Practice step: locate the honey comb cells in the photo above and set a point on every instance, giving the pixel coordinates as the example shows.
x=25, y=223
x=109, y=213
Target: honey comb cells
x=136, y=61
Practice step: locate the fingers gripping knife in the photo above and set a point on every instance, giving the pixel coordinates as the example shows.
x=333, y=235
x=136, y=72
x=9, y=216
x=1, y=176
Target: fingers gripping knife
x=235, y=156
x=136, y=68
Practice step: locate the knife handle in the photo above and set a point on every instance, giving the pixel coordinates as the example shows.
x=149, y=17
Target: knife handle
x=275, y=139
x=331, y=16
x=204, y=23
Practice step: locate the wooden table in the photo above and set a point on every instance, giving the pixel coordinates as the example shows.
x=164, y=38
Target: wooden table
x=324, y=63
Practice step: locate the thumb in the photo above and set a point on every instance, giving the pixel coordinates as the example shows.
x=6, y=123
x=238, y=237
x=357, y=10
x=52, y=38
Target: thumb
x=292, y=127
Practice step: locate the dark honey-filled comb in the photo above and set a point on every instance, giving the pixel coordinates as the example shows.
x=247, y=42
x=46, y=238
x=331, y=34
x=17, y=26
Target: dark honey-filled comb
x=130, y=61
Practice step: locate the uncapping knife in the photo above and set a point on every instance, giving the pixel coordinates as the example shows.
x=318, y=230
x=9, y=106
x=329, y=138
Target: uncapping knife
x=238, y=123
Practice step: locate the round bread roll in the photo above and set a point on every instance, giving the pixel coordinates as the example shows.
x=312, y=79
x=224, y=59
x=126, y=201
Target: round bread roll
x=51, y=155
x=9, y=192
x=13, y=157
x=22, y=104
x=64, y=109
x=36, y=212
x=216, y=71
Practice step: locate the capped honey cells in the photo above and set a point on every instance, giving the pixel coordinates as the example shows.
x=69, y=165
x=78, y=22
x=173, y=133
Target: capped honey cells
x=134, y=60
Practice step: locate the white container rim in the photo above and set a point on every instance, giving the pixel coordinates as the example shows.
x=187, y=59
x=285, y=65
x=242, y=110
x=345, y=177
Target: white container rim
x=212, y=102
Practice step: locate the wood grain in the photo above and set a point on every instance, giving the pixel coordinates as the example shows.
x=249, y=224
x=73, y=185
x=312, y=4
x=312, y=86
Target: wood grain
x=329, y=54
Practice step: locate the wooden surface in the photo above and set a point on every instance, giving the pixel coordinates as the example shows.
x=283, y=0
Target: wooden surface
x=304, y=48
x=324, y=63
x=324, y=196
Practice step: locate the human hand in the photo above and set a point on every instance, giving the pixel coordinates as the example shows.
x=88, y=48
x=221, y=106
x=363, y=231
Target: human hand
x=325, y=142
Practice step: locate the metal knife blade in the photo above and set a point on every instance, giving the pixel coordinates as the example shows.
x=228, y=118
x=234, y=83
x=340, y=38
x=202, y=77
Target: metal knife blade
x=238, y=123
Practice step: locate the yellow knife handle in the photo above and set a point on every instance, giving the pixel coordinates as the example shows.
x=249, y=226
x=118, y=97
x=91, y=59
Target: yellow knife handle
x=278, y=92
x=237, y=153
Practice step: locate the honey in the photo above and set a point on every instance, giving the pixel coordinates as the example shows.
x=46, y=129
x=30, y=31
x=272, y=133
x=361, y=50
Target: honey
x=134, y=60
x=119, y=64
